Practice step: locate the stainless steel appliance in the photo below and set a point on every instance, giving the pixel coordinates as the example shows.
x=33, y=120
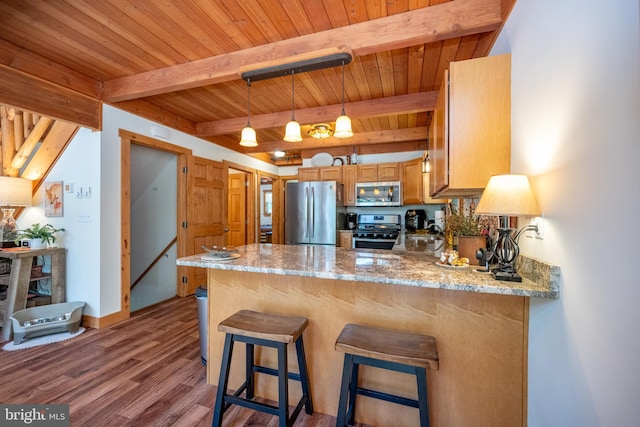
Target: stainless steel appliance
x=376, y=231
x=378, y=193
x=414, y=219
x=313, y=212
x=352, y=220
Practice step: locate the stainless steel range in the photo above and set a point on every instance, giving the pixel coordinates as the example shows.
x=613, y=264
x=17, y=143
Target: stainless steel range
x=376, y=231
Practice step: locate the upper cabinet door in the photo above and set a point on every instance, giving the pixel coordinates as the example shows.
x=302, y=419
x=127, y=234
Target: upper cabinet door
x=472, y=119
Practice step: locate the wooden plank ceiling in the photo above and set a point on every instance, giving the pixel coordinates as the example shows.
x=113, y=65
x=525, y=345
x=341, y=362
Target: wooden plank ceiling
x=179, y=63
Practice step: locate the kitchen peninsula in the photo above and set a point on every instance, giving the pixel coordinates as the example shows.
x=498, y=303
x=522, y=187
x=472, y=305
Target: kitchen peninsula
x=481, y=325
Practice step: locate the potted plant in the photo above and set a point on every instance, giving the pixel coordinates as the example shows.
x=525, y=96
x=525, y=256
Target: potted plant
x=40, y=236
x=470, y=231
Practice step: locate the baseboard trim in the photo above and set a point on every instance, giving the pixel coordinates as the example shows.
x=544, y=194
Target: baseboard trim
x=103, y=322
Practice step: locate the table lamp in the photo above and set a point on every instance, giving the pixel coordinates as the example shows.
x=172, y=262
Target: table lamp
x=14, y=192
x=507, y=195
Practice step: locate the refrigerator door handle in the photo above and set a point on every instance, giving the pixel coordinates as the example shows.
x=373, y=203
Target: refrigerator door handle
x=306, y=214
x=313, y=211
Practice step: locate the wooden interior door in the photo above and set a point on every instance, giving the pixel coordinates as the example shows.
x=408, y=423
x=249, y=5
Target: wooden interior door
x=206, y=215
x=237, y=218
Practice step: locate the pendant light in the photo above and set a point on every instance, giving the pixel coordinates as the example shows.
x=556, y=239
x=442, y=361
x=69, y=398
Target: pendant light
x=292, y=131
x=248, y=137
x=343, y=123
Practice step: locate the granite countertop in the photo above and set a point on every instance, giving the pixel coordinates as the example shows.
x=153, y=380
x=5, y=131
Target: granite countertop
x=378, y=266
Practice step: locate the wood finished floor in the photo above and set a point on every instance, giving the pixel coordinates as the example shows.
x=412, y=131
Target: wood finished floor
x=145, y=371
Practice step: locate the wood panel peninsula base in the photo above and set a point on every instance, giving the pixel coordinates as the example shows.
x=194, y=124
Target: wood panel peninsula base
x=481, y=335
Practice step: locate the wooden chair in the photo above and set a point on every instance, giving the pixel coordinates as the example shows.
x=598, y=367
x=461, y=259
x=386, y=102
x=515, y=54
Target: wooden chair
x=396, y=351
x=270, y=330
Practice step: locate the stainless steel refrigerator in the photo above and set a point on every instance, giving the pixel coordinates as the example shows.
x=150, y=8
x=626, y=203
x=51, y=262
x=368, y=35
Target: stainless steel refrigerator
x=314, y=211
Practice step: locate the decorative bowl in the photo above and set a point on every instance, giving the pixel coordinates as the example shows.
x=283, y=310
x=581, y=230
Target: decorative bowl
x=220, y=251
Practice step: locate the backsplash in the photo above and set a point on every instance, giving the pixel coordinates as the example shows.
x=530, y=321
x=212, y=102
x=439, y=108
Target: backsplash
x=539, y=272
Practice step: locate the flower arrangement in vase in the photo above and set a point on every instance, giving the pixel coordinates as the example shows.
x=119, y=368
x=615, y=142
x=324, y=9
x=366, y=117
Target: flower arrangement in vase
x=467, y=231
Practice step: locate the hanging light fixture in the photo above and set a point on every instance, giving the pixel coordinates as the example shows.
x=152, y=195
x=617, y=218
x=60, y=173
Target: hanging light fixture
x=426, y=164
x=292, y=131
x=320, y=131
x=248, y=137
x=343, y=123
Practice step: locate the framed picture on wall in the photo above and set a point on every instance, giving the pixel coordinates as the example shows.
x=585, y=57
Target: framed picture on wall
x=53, y=202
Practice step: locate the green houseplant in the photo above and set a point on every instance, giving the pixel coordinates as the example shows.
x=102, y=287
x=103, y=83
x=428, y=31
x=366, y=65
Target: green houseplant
x=469, y=230
x=46, y=234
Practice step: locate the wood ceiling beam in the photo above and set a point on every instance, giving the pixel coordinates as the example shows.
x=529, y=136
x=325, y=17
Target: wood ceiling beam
x=403, y=104
x=425, y=25
x=144, y=109
x=367, y=138
x=30, y=93
x=25, y=61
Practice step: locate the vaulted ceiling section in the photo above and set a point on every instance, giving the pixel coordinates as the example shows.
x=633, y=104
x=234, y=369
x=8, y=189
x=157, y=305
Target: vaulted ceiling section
x=179, y=63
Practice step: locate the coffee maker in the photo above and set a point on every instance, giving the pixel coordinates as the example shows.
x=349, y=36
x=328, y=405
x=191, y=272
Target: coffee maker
x=352, y=220
x=414, y=219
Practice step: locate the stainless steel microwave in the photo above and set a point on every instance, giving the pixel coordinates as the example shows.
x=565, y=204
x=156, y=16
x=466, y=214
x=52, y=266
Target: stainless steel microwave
x=378, y=193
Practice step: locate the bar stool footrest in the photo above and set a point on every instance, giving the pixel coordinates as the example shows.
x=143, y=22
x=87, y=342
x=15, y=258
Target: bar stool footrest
x=270, y=371
x=251, y=404
x=388, y=397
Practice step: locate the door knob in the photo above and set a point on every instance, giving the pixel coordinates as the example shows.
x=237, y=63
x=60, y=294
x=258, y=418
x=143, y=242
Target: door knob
x=226, y=230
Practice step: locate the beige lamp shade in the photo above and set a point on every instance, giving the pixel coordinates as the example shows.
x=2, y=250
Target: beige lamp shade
x=248, y=137
x=15, y=191
x=343, y=127
x=508, y=195
x=292, y=132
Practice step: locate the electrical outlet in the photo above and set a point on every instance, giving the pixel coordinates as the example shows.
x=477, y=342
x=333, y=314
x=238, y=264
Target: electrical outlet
x=539, y=221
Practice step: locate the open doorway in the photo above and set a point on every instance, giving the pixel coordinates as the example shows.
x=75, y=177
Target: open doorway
x=265, y=193
x=153, y=206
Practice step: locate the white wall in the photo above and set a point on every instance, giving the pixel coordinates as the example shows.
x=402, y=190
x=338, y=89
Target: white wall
x=576, y=132
x=80, y=238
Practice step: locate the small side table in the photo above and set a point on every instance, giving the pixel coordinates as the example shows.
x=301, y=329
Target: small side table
x=20, y=277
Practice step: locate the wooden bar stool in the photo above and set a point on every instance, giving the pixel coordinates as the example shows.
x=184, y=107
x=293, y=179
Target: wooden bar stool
x=396, y=351
x=270, y=330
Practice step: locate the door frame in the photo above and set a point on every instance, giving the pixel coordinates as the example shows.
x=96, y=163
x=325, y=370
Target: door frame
x=128, y=138
x=277, y=217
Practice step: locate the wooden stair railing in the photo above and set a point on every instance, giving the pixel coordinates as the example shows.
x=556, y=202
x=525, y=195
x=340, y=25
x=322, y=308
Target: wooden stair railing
x=154, y=262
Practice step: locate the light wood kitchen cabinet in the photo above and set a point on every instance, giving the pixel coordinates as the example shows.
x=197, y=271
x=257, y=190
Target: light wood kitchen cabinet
x=378, y=172
x=389, y=171
x=331, y=173
x=308, y=174
x=471, y=127
x=367, y=173
x=349, y=173
x=328, y=173
x=415, y=184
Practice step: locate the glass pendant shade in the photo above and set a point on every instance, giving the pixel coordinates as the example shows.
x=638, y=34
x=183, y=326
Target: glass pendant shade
x=343, y=127
x=292, y=132
x=248, y=138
